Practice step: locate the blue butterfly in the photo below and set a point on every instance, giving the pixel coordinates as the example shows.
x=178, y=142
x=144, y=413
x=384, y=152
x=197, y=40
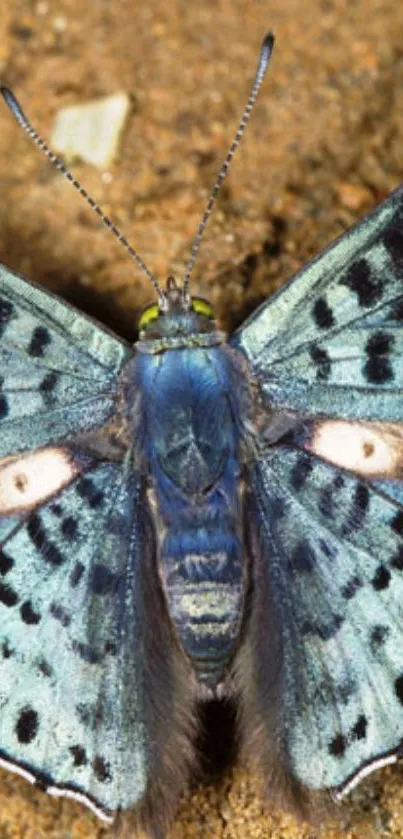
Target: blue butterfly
x=193, y=515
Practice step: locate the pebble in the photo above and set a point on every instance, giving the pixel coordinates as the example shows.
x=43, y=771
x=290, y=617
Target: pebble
x=91, y=132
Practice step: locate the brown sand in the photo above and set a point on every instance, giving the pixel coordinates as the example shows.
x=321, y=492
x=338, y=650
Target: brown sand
x=325, y=145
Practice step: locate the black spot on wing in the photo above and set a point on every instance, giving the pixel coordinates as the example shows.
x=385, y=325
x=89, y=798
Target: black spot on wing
x=359, y=730
x=69, y=528
x=76, y=574
x=102, y=580
x=337, y=746
x=28, y=614
x=6, y=649
x=89, y=491
x=339, y=481
x=6, y=563
x=6, y=313
x=40, y=340
x=380, y=343
x=397, y=523
x=44, y=668
x=327, y=631
x=322, y=314
x=8, y=597
x=86, y=652
x=399, y=689
x=303, y=557
x=378, y=370
x=322, y=362
x=79, y=755
x=359, y=279
x=381, y=578
x=3, y=406
x=49, y=381
x=278, y=508
x=326, y=502
x=378, y=636
x=357, y=510
x=47, y=387
x=329, y=550
x=101, y=769
x=350, y=589
x=300, y=472
x=60, y=614
x=378, y=367
x=27, y=725
x=48, y=550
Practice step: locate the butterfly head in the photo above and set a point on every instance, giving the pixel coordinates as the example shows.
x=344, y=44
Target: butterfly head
x=176, y=313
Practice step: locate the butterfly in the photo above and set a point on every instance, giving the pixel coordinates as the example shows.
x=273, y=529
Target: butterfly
x=197, y=515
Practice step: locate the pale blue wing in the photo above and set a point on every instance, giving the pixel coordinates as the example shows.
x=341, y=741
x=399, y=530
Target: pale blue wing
x=89, y=671
x=331, y=342
x=88, y=679
x=58, y=369
x=326, y=692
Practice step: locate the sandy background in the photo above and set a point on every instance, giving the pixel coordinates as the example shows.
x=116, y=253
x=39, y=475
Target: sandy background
x=324, y=146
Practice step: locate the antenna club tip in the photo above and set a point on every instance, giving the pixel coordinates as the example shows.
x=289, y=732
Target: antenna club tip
x=5, y=92
x=268, y=43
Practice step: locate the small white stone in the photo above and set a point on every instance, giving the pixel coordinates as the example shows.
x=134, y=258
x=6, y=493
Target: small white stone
x=59, y=24
x=91, y=132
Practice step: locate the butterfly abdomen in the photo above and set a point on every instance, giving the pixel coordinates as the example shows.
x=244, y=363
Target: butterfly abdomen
x=203, y=579
x=192, y=440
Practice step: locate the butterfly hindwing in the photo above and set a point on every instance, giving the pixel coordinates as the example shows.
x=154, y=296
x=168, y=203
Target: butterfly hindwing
x=331, y=342
x=58, y=369
x=86, y=688
x=328, y=564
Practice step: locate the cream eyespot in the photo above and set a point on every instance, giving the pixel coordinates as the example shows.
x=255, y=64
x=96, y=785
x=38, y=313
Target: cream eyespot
x=32, y=478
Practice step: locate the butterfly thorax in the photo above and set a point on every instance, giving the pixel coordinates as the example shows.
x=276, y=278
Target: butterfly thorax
x=190, y=409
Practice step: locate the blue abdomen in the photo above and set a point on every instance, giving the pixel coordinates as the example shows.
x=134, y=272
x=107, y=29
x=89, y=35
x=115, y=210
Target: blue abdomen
x=190, y=412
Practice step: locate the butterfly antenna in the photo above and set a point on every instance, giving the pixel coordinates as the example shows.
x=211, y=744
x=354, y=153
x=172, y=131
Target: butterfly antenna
x=19, y=115
x=264, y=58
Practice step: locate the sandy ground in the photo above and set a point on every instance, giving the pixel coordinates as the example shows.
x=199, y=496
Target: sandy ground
x=325, y=145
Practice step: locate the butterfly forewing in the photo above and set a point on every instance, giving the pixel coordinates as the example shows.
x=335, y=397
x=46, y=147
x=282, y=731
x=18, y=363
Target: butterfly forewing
x=58, y=370
x=330, y=343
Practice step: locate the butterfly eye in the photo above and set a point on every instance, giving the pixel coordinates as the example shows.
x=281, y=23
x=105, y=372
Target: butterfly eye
x=150, y=314
x=202, y=307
